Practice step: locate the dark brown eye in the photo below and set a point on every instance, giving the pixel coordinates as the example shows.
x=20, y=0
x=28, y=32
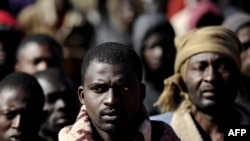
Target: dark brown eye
x=10, y=115
x=122, y=87
x=99, y=88
x=224, y=65
x=199, y=66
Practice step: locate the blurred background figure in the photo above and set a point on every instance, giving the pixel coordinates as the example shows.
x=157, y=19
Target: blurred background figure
x=239, y=23
x=15, y=6
x=4, y=5
x=60, y=20
x=53, y=17
x=60, y=102
x=21, y=108
x=173, y=7
x=155, y=6
x=38, y=52
x=10, y=37
x=196, y=13
x=92, y=9
x=230, y=7
x=153, y=40
x=117, y=24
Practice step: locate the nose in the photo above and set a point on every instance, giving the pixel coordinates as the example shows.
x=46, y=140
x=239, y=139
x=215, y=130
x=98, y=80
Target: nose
x=16, y=122
x=210, y=74
x=42, y=66
x=110, y=98
x=158, y=51
x=60, y=104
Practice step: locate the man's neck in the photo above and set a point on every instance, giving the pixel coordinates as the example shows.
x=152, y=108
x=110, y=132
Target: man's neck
x=212, y=126
x=48, y=135
x=125, y=134
x=100, y=135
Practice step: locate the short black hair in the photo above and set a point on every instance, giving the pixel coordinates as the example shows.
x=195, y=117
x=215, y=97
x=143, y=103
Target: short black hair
x=53, y=73
x=26, y=82
x=50, y=72
x=54, y=46
x=112, y=53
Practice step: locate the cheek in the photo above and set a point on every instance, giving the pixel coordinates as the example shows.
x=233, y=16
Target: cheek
x=132, y=104
x=48, y=107
x=192, y=82
x=147, y=55
x=28, y=67
x=230, y=80
x=5, y=125
x=245, y=57
x=92, y=104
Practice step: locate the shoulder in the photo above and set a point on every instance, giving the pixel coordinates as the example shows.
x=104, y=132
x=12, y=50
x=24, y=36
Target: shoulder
x=243, y=114
x=166, y=117
x=162, y=131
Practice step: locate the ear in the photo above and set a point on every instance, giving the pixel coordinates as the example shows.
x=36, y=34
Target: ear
x=81, y=94
x=143, y=92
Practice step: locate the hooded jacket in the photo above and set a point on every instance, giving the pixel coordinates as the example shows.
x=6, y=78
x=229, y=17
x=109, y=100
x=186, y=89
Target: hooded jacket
x=145, y=26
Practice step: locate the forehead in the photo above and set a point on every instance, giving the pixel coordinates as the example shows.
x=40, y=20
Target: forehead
x=34, y=49
x=96, y=69
x=13, y=98
x=207, y=57
x=155, y=37
x=53, y=84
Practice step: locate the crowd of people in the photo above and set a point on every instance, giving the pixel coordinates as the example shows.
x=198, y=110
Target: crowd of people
x=123, y=70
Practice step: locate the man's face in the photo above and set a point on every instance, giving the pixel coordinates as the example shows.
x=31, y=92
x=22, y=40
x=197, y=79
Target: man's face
x=19, y=116
x=60, y=103
x=35, y=57
x=244, y=36
x=112, y=94
x=211, y=80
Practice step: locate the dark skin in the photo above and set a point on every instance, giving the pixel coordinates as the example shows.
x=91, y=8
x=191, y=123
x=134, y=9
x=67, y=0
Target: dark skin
x=153, y=52
x=17, y=114
x=244, y=36
x=35, y=57
x=113, y=96
x=212, y=87
x=243, y=98
x=60, y=104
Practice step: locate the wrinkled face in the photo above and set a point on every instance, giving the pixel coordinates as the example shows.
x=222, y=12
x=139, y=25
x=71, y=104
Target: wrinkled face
x=211, y=80
x=112, y=94
x=154, y=51
x=35, y=57
x=244, y=36
x=60, y=103
x=19, y=117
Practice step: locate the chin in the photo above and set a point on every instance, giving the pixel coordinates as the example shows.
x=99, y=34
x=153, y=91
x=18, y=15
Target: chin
x=212, y=108
x=110, y=128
